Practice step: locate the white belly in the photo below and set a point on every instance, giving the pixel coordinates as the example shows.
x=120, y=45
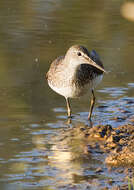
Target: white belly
x=75, y=92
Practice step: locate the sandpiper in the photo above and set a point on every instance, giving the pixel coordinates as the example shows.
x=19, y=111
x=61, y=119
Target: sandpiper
x=76, y=73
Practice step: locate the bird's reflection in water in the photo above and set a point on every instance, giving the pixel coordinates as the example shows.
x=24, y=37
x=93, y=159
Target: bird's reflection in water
x=69, y=156
x=63, y=156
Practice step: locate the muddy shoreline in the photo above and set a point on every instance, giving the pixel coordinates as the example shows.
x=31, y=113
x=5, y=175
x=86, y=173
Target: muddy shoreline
x=115, y=144
x=118, y=143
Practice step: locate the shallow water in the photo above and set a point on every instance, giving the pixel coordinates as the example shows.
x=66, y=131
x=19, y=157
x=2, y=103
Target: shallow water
x=37, y=150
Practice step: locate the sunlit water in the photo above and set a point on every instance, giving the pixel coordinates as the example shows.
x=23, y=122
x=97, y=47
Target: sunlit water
x=37, y=148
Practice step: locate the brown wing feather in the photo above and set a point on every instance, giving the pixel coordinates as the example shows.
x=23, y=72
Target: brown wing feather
x=53, y=70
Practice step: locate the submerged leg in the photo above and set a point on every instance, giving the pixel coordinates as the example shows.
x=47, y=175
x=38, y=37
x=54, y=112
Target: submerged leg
x=91, y=105
x=68, y=108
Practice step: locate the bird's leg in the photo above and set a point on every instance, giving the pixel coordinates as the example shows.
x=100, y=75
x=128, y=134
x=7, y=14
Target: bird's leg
x=91, y=105
x=68, y=108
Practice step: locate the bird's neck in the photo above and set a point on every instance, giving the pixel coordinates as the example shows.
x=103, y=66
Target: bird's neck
x=71, y=65
x=70, y=69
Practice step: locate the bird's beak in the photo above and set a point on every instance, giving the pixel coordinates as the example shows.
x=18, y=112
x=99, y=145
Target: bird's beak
x=92, y=63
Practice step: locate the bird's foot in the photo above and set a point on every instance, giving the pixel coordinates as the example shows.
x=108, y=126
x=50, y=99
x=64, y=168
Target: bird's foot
x=90, y=123
x=69, y=121
x=70, y=117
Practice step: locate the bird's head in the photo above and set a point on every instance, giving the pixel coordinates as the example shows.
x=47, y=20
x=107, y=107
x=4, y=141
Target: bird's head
x=77, y=55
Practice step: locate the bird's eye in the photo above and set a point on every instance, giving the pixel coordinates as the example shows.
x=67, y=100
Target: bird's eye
x=79, y=53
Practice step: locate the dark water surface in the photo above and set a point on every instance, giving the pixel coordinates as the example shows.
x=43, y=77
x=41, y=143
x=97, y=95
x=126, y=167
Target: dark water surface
x=33, y=151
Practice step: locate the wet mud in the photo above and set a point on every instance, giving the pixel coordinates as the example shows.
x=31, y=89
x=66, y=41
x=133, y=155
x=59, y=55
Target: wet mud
x=115, y=144
x=118, y=146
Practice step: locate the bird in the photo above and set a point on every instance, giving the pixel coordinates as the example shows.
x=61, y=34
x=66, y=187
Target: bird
x=76, y=73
